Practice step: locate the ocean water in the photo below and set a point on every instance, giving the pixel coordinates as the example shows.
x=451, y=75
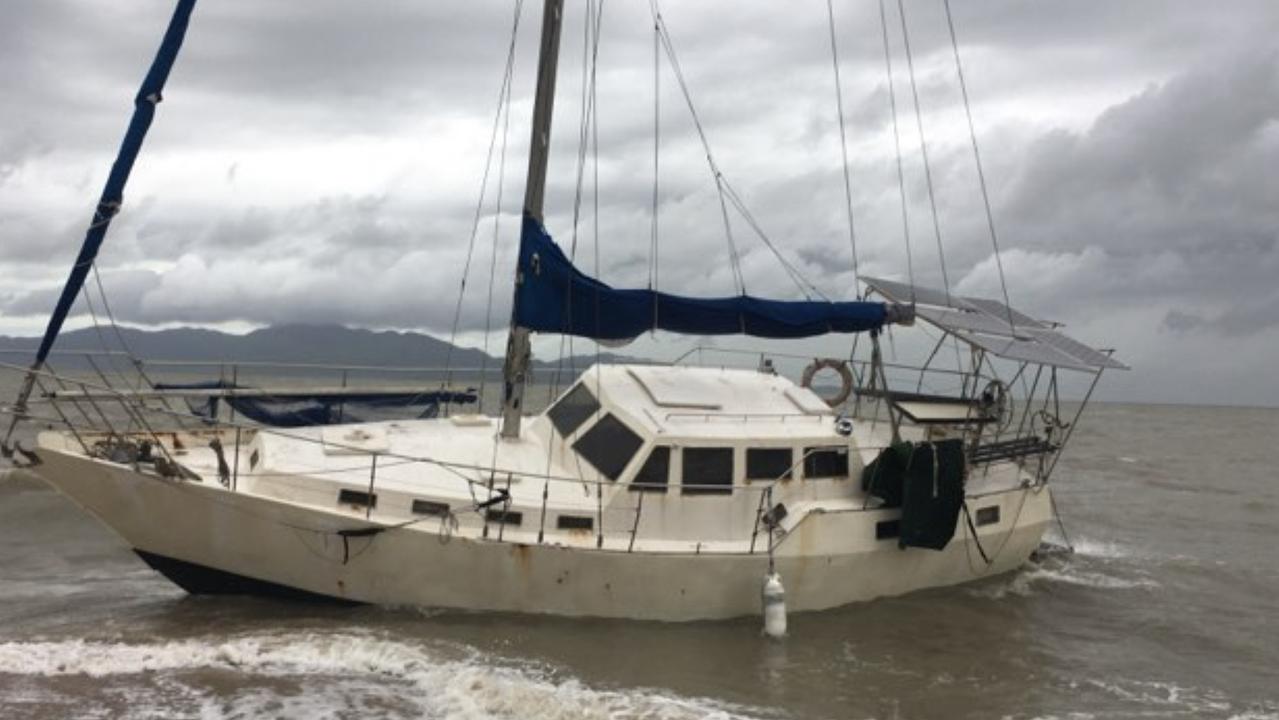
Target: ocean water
x=1168, y=609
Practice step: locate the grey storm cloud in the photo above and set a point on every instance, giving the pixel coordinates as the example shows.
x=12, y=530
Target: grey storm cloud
x=323, y=164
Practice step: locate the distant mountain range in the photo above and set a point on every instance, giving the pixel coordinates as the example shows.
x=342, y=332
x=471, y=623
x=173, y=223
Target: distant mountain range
x=310, y=344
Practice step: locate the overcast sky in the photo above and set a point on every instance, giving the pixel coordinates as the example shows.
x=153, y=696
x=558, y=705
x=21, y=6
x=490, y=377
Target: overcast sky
x=321, y=162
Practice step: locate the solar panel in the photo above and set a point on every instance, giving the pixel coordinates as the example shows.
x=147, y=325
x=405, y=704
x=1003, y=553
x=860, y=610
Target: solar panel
x=905, y=293
x=1024, y=350
x=984, y=324
x=1078, y=350
x=964, y=320
x=1001, y=311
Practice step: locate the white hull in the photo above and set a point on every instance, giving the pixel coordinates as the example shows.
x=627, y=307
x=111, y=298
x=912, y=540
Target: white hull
x=827, y=559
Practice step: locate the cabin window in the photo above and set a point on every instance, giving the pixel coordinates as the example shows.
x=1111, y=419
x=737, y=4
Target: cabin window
x=888, y=529
x=988, y=515
x=655, y=474
x=609, y=446
x=575, y=408
x=574, y=522
x=505, y=517
x=826, y=462
x=708, y=471
x=357, y=498
x=430, y=507
x=768, y=463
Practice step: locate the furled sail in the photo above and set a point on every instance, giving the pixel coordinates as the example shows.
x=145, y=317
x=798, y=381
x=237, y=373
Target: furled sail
x=553, y=296
x=113, y=193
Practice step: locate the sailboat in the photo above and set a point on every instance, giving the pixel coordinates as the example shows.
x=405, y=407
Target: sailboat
x=644, y=491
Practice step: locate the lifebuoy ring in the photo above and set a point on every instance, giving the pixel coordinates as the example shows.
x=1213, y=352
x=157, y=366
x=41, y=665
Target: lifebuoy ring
x=845, y=378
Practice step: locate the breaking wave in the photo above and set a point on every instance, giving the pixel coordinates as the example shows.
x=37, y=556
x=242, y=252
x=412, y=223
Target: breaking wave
x=1024, y=583
x=328, y=675
x=1094, y=564
x=1102, y=549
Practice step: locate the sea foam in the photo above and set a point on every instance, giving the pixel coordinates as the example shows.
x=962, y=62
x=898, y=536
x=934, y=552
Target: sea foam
x=336, y=668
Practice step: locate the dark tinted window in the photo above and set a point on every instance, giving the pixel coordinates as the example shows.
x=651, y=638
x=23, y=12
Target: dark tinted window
x=888, y=529
x=573, y=409
x=768, y=463
x=709, y=468
x=826, y=462
x=356, y=497
x=655, y=473
x=430, y=507
x=506, y=517
x=574, y=522
x=609, y=446
x=988, y=515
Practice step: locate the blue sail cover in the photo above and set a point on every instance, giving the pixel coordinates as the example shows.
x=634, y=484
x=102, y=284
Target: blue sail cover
x=553, y=296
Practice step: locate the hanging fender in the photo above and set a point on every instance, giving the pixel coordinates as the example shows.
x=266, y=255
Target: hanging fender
x=845, y=378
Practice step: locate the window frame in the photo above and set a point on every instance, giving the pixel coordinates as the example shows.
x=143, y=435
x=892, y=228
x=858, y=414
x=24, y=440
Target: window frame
x=568, y=411
x=350, y=498
x=704, y=488
x=586, y=442
x=638, y=485
x=575, y=522
x=787, y=474
x=810, y=462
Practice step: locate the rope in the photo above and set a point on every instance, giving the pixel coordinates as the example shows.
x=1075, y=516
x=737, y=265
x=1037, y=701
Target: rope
x=843, y=143
x=981, y=173
x=972, y=530
x=1061, y=525
x=897, y=144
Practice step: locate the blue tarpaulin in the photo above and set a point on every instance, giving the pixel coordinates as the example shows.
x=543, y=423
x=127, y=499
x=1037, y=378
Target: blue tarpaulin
x=320, y=409
x=553, y=296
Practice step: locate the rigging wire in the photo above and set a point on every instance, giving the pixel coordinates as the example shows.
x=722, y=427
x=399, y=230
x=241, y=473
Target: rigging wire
x=923, y=147
x=657, y=144
x=102, y=339
x=727, y=194
x=106, y=307
x=843, y=145
x=497, y=221
x=981, y=173
x=595, y=194
x=585, y=132
x=669, y=46
x=801, y=282
x=136, y=361
x=897, y=144
x=502, y=95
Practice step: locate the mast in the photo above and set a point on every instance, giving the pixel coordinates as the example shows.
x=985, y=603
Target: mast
x=518, y=349
x=144, y=106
